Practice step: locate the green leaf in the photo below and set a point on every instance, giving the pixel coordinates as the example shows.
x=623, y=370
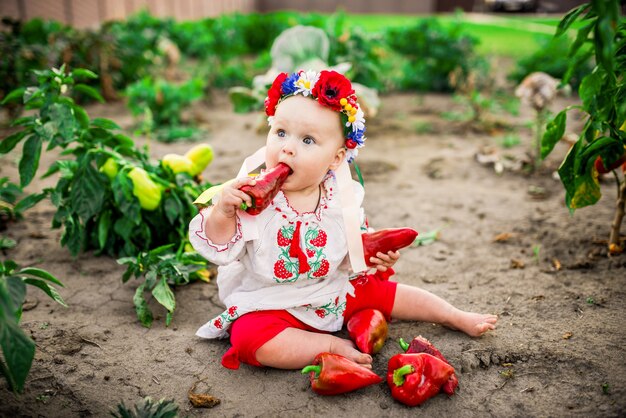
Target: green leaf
x=32, y=93
x=18, y=351
x=164, y=295
x=88, y=190
x=49, y=290
x=104, y=225
x=83, y=73
x=553, y=134
x=586, y=192
x=106, y=124
x=63, y=117
x=141, y=307
x=42, y=274
x=29, y=201
x=89, y=91
x=570, y=18
x=12, y=294
x=18, y=93
x=589, y=89
x=126, y=202
x=81, y=116
x=30, y=159
x=11, y=141
x=173, y=208
x=567, y=172
x=581, y=37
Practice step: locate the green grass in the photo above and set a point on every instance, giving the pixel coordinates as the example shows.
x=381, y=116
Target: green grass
x=508, y=36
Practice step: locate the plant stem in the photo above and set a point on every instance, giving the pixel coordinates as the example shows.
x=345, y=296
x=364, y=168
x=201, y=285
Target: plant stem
x=538, y=134
x=619, y=215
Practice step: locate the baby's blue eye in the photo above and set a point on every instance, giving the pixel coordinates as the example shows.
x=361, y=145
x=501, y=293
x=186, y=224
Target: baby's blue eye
x=280, y=133
x=308, y=140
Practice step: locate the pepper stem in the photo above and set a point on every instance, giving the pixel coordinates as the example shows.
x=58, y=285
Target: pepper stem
x=243, y=206
x=403, y=344
x=398, y=374
x=312, y=368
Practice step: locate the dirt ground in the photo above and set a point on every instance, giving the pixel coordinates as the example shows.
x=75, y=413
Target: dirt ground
x=559, y=349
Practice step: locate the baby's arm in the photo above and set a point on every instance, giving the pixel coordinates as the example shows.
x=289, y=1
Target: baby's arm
x=221, y=223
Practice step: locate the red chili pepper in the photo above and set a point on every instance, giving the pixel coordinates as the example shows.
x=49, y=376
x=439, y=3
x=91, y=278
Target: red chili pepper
x=385, y=240
x=332, y=374
x=422, y=345
x=599, y=164
x=266, y=188
x=414, y=378
x=368, y=329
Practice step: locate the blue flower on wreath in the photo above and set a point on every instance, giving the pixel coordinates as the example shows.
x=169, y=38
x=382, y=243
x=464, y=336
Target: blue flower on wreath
x=357, y=136
x=289, y=85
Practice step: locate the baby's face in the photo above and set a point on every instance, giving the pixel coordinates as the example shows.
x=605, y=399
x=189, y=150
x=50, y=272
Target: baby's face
x=308, y=137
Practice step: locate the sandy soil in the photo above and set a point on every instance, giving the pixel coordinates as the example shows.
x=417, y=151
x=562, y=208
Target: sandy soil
x=559, y=348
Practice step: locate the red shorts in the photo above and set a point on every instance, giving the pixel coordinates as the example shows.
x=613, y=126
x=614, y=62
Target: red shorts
x=252, y=330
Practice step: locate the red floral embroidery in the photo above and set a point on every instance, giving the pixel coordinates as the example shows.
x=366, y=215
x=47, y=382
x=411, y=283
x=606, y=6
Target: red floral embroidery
x=232, y=310
x=280, y=271
x=282, y=240
x=323, y=269
x=320, y=240
x=218, y=323
x=320, y=312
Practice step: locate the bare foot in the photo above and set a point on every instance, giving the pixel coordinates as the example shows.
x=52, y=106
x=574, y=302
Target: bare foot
x=347, y=349
x=473, y=324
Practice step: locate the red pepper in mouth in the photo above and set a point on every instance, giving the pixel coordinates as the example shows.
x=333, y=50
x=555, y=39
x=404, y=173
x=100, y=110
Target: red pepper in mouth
x=422, y=345
x=415, y=378
x=266, y=188
x=332, y=374
x=385, y=240
x=368, y=329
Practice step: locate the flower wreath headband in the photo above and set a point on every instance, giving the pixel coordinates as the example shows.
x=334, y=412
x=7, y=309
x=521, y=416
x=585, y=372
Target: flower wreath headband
x=330, y=89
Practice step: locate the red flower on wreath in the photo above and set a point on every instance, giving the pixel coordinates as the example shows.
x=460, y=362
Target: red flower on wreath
x=274, y=93
x=330, y=88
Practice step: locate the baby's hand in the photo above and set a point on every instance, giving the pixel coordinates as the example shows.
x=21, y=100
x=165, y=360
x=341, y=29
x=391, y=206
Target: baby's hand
x=383, y=261
x=231, y=197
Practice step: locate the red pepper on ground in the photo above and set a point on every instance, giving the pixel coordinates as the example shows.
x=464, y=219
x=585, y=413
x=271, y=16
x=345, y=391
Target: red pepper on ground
x=422, y=345
x=332, y=374
x=368, y=329
x=414, y=378
x=385, y=240
x=266, y=188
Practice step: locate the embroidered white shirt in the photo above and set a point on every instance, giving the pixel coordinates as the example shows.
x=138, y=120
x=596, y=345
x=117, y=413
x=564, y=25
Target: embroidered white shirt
x=260, y=274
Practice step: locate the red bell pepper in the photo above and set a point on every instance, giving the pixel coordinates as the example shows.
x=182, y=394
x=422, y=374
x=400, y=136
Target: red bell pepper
x=415, y=378
x=368, y=329
x=600, y=167
x=332, y=374
x=266, y=188
x=422, y=345
x=385, y=240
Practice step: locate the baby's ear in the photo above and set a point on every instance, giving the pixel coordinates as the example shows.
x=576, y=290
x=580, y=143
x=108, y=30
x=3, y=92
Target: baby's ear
x=339, y=157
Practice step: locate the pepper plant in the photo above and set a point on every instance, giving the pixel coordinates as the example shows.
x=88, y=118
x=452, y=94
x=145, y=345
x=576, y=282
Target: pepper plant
x=109, y=196
x=18, y=350
x=601, y=146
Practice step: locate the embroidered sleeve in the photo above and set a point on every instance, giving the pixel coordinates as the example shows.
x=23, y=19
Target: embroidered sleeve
x=219, y=254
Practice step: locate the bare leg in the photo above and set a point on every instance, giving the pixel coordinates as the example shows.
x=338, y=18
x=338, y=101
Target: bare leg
x=420, y=305
x=295, y=348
